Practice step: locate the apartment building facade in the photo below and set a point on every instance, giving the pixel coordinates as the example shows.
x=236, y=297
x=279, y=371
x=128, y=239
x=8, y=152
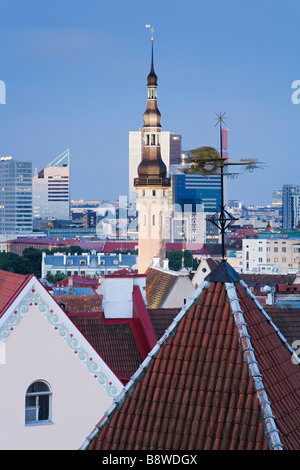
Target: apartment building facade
x=271, y=255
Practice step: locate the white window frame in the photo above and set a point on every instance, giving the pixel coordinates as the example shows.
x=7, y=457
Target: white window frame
x=48, y=393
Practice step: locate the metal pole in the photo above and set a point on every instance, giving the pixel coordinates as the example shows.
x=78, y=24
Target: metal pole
x=222, y=199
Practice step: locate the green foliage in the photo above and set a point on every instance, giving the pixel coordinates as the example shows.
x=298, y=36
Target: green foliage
x=28, y=263
x=128, y=251
x=31, y=260
x=66, y=249
x=175, y=260
x=54, y=278
x=8, y=261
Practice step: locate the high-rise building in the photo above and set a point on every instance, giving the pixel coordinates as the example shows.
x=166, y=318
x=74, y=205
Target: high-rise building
x=277, y=198
x=198, y=191
x=290, y=206
x=152, y=184
x=51, y=190
x=15, y=195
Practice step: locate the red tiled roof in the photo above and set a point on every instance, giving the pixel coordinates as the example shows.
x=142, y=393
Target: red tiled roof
x=79, y=281
x=288, y=289
x=161, y=319
x=123, y=344
x=80, y=303
x=114, y=342
x=256, y=281
x=10, y=286
x=287, y=320
x=220, y=379
x=122, y=246
x=158, y=286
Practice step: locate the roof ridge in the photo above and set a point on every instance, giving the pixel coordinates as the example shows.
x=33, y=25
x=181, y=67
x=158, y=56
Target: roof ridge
x=282, y=338
x=128, y=389
x=270, y=428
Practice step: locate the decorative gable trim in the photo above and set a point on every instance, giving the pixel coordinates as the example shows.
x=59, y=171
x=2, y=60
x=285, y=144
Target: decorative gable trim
x=35, y=295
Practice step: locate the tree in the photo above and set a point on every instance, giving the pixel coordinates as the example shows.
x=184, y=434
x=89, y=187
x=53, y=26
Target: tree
x=35, y=260
x=54, y=278
x=175, y=260
x=7, y=261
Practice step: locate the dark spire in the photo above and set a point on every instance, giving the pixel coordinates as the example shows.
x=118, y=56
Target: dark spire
x=152, y=77
x=152, y=170
x=223, y=273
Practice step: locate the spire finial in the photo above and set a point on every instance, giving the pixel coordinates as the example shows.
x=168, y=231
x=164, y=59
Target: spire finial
x=152, y=78
x=151, y=30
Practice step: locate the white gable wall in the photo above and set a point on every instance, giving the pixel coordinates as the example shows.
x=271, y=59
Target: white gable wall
x=180, y=293
x=40, y=348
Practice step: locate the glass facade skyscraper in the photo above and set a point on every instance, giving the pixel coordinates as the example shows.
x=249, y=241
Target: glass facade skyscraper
x=290, y=206
x=51, y=190
x=15, y=196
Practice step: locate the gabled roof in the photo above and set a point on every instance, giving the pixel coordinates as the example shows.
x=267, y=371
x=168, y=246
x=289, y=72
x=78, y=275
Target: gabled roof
x=158, y=285
x=10, y=285
x=222, y=377
x=23, y=293
x=118, y=342
x=113, y=341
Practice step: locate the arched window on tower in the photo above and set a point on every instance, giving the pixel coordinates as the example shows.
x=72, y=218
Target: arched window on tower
x=153, y=219
x=152, y=139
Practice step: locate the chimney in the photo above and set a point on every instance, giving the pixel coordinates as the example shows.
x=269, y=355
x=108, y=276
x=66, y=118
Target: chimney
x=166, y=264
x=70, y=284
x=117, y=293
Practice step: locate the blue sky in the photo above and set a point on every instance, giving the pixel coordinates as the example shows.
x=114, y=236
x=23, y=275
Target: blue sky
x=75, y=74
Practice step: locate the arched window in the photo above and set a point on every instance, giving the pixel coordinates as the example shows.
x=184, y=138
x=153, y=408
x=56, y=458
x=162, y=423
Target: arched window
x=38, y=403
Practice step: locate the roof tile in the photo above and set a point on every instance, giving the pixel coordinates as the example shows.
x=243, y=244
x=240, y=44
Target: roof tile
x=203, y=396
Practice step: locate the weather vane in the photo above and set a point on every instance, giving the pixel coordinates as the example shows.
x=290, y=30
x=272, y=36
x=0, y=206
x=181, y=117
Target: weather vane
x=151, y=30
x=207, y=161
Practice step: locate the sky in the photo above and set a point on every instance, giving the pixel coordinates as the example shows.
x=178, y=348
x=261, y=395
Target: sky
x=75, y=75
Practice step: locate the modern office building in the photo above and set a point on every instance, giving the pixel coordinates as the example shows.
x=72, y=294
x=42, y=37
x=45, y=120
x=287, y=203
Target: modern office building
x=51, y=190
x=188, y=188
x=277, y=198
x=197, y=192
x=290, y=206
x=15, y=196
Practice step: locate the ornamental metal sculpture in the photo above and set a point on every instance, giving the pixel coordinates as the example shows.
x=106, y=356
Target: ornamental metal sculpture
x=207, y=161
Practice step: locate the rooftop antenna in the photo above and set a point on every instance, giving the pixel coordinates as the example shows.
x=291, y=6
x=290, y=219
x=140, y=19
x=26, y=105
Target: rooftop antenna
x=207, y=161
